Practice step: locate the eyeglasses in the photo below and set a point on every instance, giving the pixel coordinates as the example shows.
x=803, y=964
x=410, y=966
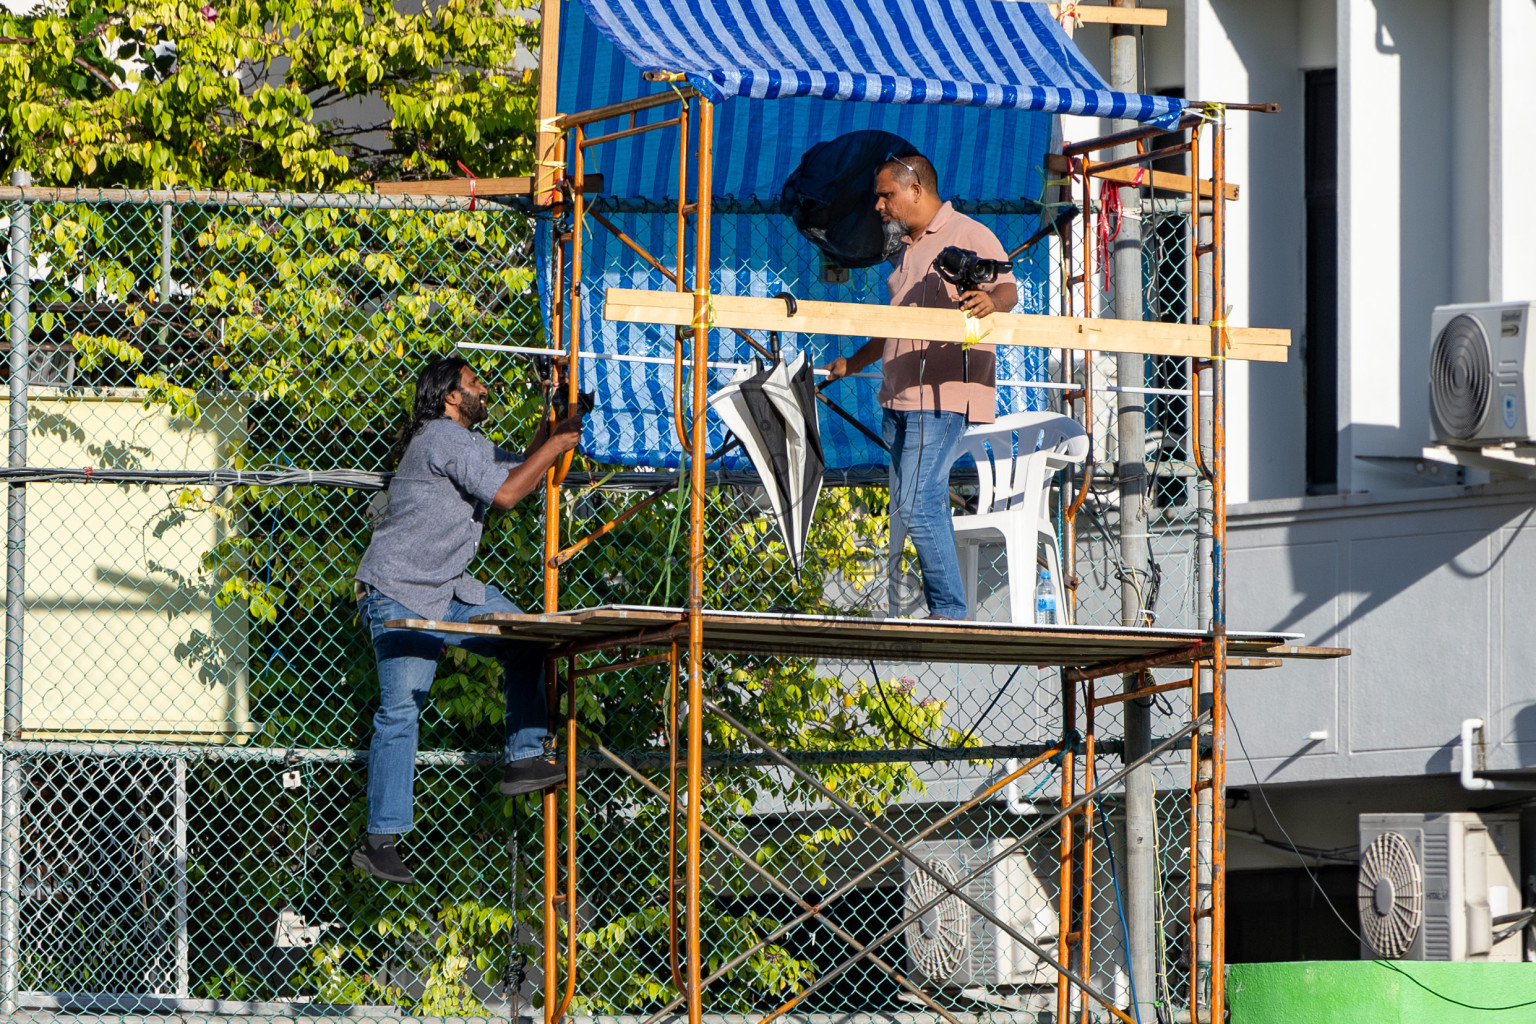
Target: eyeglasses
x=893, y=158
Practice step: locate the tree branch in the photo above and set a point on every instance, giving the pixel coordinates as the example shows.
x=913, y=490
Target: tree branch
x=103, y=79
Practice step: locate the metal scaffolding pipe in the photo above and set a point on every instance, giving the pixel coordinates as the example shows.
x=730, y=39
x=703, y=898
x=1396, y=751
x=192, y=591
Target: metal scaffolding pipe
x=15, y=602
x=1130, y=432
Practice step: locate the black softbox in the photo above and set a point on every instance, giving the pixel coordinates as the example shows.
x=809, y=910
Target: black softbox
x=831, y=197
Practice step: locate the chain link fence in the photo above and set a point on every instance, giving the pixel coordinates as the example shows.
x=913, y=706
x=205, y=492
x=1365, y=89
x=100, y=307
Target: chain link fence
x=213, y=391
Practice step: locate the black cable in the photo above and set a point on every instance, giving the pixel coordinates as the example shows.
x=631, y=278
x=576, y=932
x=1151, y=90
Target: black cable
x=1388, y=964
x=988, y=709
x=880, y=686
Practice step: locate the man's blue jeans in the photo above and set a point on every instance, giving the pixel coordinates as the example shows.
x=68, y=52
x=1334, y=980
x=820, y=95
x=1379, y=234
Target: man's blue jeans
x=407, y=661
x=924, y=445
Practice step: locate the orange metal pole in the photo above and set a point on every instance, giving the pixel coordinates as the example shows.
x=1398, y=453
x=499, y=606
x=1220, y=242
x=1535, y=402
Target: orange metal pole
x=673, y=956
x=681, y=277
x=550, y=802
x=1219, y=579
x=1064, y=854
x=551, y=878
x=551, y=479
x=1196, y=869
x=701, y=288
x=573, y=335
x=570, y=840
x=1085, y=943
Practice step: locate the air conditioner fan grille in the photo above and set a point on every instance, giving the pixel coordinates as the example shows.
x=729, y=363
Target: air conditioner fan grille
x=1391, y=895
x=938, y=941
x=1461, y=376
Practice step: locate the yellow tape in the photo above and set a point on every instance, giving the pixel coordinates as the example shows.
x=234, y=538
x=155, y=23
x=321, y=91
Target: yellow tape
x=550, y=125
x=708, y=315
x=973, y=333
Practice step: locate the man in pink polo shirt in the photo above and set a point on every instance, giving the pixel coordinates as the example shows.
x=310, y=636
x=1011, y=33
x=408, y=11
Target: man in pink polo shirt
x=932, y=390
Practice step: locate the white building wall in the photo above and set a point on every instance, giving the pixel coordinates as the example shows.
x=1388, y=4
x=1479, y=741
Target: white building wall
x=1512, y=148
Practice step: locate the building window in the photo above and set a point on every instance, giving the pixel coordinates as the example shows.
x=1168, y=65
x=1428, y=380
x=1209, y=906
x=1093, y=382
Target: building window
x=1321, y=328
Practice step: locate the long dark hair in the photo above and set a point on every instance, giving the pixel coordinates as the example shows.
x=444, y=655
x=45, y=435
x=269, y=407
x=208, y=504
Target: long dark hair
x=433, y=387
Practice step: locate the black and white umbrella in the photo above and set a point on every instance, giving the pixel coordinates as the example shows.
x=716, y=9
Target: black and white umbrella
x=772, y=412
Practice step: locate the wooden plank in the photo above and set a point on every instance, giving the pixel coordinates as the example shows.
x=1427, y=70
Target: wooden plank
x=1095, y=15
x=630, y=305
x=546, y=142
x=435, y=626
x=1309, y=653
x=844, y=639
x=1058, y=164
x=520, y=186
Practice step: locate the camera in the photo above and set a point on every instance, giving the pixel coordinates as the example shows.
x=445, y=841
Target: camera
x=966, y=270
x=561, y=404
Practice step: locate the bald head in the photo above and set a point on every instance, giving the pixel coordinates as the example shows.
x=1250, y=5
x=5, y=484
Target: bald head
x=907, y=194
x=915, y=168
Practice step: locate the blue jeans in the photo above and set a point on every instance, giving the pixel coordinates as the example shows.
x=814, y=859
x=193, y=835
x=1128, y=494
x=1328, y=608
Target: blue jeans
x=924, y=446
x=407, y=661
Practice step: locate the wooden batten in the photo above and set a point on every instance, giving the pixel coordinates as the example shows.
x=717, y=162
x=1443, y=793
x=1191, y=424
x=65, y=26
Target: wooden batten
x=1055, y=163
x=1089, y=14
x=857, y=319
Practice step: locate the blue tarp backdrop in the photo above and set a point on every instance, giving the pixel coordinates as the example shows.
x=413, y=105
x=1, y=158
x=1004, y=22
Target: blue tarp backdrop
x=958, y=96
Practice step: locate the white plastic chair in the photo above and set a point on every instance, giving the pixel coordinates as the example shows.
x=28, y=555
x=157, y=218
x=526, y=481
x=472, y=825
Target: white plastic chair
x=1017, y=458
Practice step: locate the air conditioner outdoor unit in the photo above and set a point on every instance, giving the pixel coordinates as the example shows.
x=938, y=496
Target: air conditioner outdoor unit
x=1480, y=378
x=1431, y=885
x=953, y=946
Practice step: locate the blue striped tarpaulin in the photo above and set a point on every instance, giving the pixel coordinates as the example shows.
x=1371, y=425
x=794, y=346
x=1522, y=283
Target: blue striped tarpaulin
x=984, y=155
x=979, y=53
x=758, y=145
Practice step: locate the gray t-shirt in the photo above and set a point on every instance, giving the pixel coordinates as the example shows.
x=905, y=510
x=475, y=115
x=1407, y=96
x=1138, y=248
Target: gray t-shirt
x=421, y=550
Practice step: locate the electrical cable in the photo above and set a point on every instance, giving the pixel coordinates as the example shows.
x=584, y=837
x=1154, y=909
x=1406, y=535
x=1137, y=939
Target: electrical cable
x=1125, y=928
x=880, y=686
x=1388, y=964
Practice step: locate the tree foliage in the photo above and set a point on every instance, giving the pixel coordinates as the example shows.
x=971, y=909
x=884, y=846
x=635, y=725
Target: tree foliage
x=293, y=95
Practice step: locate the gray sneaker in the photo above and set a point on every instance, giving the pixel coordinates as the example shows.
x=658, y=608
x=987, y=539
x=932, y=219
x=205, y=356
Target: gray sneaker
x=530, y=775
x=378, y=857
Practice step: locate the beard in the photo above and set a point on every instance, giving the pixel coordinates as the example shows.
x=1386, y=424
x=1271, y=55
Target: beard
x=472, y=407
x=894, y=230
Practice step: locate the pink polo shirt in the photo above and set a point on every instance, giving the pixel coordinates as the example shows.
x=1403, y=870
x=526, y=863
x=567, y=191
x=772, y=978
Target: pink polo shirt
x=912, y=382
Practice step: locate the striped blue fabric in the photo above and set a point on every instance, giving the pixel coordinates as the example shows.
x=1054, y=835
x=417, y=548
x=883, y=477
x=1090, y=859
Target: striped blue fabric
x=983, y=53
x=631, y=423
x=986, y=153
x=759, y=144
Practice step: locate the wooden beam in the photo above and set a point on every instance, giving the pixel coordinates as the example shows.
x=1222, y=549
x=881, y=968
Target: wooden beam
x=474, y=186
x=1058, y=164
x=546, y=143
x=1094, y=15
x=857, y=319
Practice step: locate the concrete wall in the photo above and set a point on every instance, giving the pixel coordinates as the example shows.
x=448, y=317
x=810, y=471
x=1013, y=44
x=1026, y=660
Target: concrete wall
x=1432, y=592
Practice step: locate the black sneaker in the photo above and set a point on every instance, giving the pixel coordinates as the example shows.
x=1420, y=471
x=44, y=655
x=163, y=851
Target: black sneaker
x=378, y=857
x=530, y=775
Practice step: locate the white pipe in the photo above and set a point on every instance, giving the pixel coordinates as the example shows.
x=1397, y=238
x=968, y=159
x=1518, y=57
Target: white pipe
x=1011, y=798
x=1468, y=780
x=1472, y=782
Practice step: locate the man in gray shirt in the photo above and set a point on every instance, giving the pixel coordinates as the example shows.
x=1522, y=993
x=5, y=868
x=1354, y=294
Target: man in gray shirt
x=416, y=567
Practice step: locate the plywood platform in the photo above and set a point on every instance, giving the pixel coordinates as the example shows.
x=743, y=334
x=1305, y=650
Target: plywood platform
x=846, y=639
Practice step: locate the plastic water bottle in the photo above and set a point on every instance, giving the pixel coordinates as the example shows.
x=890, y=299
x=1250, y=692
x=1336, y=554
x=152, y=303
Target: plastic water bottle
x=1045, y=600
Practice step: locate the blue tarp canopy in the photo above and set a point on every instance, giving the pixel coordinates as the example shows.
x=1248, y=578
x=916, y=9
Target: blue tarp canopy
x=982, y=53
x=987, y=143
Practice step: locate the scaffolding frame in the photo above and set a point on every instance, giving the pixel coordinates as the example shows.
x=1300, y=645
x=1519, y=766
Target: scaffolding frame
x=684, y=644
